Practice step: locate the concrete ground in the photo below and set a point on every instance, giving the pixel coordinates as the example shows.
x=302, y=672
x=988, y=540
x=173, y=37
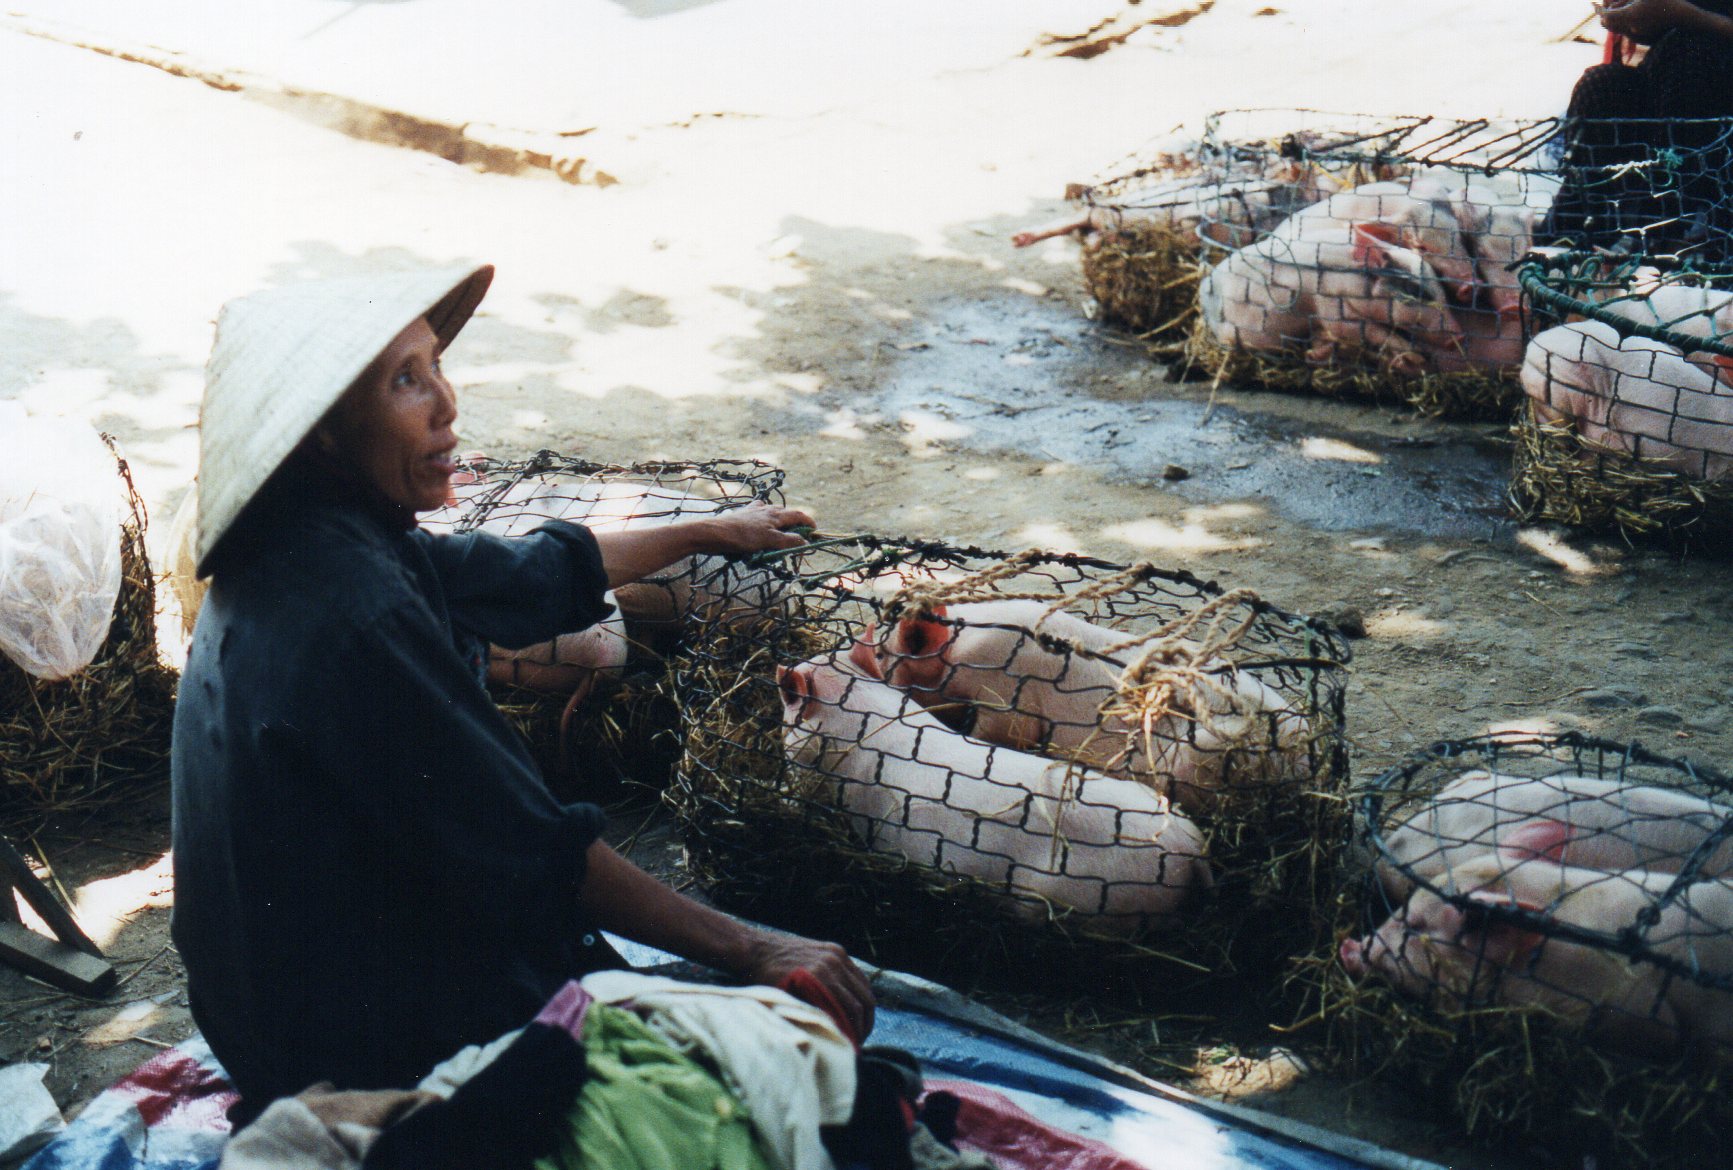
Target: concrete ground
x=757, y=228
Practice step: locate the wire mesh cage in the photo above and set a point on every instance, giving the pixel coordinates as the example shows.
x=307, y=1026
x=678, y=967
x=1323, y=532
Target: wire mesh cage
x=101, y=736
x=1146, y=220
x=1544, y=943
x=1394, y=286
x=1657, y=186
x=942, y=752
x=592, y=703
x=1628, y=425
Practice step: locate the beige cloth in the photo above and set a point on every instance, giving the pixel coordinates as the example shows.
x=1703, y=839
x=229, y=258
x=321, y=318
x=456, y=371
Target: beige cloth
x=319, y=1129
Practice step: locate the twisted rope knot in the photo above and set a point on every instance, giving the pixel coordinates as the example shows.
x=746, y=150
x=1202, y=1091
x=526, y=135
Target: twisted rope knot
x=1178, y=674
x=1181, y=668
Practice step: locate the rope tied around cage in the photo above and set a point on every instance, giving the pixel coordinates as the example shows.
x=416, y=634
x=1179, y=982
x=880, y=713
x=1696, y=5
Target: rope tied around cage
x=1178, y=671
x=1174, y=675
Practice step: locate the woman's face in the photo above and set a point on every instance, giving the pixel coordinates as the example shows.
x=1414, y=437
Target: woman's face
x=394, y=425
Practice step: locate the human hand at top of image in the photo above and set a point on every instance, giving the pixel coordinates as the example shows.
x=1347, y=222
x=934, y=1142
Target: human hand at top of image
x=1645, y=21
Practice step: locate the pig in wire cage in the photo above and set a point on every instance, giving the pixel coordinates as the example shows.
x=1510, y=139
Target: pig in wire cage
x=1145, y=221
x=101, y=736
x=1628, y=423
x=592, y=703
x=1543, y=943
x=982, y=765
x=1396, y=286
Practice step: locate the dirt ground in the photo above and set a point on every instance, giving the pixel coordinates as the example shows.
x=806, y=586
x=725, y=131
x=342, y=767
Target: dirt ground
x=834, y=294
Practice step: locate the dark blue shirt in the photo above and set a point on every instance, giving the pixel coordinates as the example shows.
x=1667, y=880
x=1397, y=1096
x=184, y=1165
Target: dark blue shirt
x=369, y=871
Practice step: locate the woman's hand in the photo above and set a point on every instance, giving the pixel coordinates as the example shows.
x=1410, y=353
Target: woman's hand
x=635, y=553
x=773, y=957
x=752, y=528
x=1645, y=21
x=624, y=899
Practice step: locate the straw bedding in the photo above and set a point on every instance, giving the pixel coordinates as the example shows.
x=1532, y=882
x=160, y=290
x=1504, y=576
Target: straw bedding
x=102, y=736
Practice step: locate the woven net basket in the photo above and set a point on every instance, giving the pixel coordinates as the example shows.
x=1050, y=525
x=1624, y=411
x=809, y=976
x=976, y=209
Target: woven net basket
x=1516, y=884
x=595, y=717
x=854, y=792
x=1629, y=420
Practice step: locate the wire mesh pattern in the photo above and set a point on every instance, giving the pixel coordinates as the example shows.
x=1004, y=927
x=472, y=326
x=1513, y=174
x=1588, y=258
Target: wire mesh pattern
x=1629, y=419
x=599, y=691
x=1647, y=185
x=1396, y=285
x=1145, y=221
x=1545, y=939
x=948, y=749
x=103, y=734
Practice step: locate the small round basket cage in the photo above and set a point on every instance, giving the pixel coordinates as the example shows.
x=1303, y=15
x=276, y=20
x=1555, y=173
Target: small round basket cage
x=593, y=704
x=1628, y=425
x=101, y=736
x=1544, y=943
x=949, y=753
x=1391, y=280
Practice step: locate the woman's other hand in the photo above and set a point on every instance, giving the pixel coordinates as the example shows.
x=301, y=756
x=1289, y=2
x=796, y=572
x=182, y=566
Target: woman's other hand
x=773, y=957
x=635, y=553
x=752, y=528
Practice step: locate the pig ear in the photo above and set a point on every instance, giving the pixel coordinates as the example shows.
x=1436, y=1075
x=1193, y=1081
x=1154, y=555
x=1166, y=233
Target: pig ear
x=795, y=682
x=862, y=654
x=1544, y=839
x=1373, y=243
x=1501, y=942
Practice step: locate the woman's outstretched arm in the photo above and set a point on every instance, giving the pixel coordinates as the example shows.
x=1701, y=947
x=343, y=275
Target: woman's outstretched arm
x=636, y=553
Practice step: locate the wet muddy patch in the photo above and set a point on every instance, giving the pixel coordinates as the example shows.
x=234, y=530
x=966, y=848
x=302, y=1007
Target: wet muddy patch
x=1027, y=375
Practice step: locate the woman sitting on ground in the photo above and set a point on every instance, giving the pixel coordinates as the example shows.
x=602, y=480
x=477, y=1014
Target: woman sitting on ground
x=369, y=872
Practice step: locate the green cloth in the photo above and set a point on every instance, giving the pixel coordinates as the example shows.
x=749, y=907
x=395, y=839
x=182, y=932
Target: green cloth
x=647, y=1105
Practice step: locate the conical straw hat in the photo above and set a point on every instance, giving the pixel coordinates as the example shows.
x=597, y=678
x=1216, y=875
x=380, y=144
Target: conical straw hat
x=284, y=356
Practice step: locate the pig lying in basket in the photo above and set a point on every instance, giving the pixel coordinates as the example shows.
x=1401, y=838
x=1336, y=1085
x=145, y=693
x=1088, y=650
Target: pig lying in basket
x=1110, y=851
x=1413, y=270
x=1585, y=858
x=1638, y=396
x=987, y=659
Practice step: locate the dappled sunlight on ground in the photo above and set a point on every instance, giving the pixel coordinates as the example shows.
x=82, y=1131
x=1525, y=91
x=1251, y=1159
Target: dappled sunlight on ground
x=1316, y=447
x=1556, y=549
x=1407, y=627
x=1155, y=535
x=105, y=906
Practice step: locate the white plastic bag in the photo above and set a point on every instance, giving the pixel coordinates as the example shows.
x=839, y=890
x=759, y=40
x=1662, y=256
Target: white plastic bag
x=28, y=1115
x=60, y=516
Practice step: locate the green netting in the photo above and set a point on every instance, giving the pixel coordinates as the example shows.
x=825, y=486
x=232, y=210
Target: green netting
x=1629, y=425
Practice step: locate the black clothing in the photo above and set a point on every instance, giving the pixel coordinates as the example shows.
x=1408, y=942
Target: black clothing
x=504, y=1118
x=1637, y=169
x=369, y=872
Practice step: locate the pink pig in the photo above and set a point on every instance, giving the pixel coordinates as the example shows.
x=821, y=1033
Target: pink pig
x=1580, y=821
x=1328, y=285
x=1432, y=949
x=1111, y=851
x=1630, y=394
x=988, y=657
